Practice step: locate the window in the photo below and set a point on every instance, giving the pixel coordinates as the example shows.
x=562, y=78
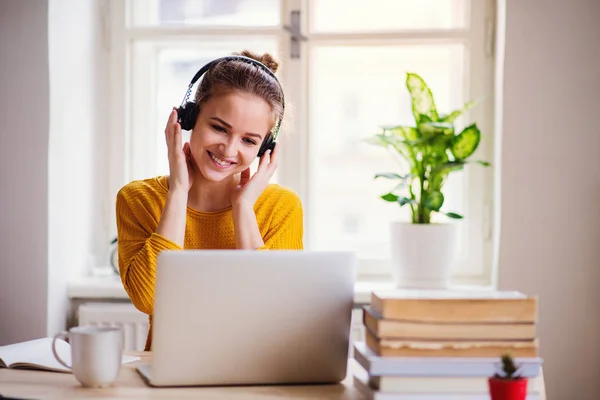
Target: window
x=346, y=78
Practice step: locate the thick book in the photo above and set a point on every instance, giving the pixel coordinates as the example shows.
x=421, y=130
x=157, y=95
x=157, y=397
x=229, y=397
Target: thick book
x=437, y=384
x=438, y=348
x=439, y=366
x=361, y=383
x=405, y=329
x=455, y=306
x=37, y=354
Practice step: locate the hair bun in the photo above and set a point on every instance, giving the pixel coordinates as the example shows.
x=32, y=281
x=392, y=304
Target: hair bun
x=265, y=58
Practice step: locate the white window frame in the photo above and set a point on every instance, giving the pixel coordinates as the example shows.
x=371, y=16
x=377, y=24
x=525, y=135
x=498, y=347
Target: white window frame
x=479, y=77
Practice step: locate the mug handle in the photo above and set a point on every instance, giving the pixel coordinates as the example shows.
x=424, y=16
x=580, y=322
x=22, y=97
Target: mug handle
x=61, y=335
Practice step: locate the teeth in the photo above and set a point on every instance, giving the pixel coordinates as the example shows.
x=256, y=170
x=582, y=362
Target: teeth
x=219, y=161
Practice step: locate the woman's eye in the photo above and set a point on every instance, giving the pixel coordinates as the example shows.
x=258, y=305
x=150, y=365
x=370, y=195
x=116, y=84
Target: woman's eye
x=218, y=128
x=249, y=141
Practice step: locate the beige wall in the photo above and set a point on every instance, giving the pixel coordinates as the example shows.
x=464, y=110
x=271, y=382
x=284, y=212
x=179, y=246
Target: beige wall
x=53, y=91
x=550, y=185
x=24, y=124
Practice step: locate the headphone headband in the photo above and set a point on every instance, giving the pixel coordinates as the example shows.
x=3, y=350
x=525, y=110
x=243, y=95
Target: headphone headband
x=248, y=60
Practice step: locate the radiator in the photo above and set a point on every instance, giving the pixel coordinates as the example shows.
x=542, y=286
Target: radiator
x=123, y=315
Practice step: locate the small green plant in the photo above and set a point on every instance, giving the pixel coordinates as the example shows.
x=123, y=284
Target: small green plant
x=432, y=150
x=509, y=368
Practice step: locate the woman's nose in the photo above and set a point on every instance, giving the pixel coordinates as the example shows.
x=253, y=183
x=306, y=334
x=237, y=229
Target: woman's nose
x=229, y=147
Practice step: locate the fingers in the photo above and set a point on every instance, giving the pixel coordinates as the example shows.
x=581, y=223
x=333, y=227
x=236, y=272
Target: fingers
x=245, y=177
x=262, y=163
x=186, y=152
x=274, y=157
x=173, y=131
x=177, y=131
x=169, y=120
x=268, y=162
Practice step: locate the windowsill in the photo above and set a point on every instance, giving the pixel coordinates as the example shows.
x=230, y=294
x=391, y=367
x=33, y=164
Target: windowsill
x=110, y=287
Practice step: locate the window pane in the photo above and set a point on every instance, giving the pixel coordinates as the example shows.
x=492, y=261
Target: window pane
x=354, y=90
x=385, y=15
x=205, y=12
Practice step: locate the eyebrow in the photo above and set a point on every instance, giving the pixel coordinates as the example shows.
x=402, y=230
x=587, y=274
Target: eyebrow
x=229, y=126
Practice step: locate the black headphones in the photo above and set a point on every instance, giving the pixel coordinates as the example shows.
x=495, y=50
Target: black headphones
x=187, y=113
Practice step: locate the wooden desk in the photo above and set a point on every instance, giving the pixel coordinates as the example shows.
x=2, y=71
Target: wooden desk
x=52, y=385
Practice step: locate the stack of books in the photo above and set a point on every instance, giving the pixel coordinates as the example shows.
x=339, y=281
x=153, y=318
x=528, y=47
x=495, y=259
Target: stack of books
x=445, y=344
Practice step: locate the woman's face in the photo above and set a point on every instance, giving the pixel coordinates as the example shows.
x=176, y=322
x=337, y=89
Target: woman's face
x=228, y=133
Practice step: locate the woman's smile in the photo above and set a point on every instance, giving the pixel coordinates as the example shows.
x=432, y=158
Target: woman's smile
x=219, y=162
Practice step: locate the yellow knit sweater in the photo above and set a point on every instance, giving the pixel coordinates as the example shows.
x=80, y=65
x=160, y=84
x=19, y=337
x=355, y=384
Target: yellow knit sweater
x=139, y=206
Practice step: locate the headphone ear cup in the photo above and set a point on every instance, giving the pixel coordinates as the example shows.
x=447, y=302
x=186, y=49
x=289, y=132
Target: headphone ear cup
x=268, y=144
x=187, y=115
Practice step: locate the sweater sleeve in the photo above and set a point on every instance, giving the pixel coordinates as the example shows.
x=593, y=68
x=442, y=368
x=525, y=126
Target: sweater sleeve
x=138, y=248
x=286, y=228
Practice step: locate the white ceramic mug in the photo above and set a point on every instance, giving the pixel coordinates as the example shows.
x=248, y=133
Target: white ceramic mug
x=95, y=353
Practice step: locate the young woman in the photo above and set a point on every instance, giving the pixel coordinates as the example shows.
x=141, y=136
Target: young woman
x=209, y=200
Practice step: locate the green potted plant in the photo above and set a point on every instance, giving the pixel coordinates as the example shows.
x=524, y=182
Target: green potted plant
x=509, y=385
x=423, y=250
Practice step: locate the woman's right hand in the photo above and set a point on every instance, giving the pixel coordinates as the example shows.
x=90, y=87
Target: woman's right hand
x=180, y=164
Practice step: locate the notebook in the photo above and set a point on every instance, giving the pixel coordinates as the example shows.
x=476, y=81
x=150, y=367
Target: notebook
x=37, y=354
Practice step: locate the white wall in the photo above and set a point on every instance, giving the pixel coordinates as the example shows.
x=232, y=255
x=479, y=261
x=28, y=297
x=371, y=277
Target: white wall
x=53, y=75
x=550, y=185
x=77, y=169
x=24, y=123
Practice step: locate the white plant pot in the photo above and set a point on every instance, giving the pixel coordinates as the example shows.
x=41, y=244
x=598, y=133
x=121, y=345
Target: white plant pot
x=423, y=254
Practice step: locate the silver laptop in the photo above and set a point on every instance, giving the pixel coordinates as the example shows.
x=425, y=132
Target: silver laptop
x=236, y=317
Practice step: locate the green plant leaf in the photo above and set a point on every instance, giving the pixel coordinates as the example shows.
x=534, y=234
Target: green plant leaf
x=440, y=145
x=484, y=163
x=448, y=167
x=453, y=215
x=422, y=98
x=440, y=171
x=399, y=186
x=388, y=175
x=408, y=133
x=393, y=176
x=374, y=140
x=457, y=113
x=396, y=136
x=439, y=128
x=436, y=180
x=424, y=118
x=466, y=142
x=434, y=200
x=405, y=200
x=378, y=140
x=391, y=197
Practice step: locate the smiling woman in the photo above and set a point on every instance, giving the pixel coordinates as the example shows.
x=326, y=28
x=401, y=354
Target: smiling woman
x=209, y=200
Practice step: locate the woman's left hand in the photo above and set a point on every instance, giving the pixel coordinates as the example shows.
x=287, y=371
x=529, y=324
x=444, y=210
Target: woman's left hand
x=250, y=188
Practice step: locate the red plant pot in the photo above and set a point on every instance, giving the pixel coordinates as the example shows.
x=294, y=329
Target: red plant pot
x=508, y=389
